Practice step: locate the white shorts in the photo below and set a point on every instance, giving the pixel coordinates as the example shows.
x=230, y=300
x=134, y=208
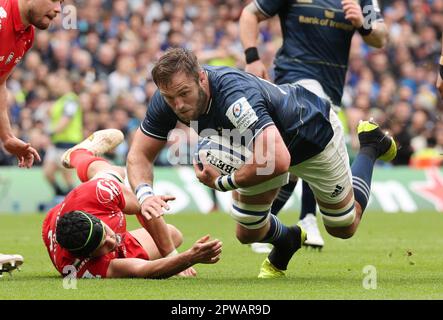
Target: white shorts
x=329, y=173
x=273, y=183
x=315, y=87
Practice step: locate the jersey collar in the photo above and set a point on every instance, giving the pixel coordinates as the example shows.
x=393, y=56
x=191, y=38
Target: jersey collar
x=210, y=99
x=18, y=23
x=209, y=106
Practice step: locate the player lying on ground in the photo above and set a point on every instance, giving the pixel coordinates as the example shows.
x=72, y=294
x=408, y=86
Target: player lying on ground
x=88, y=229
x=294, y=130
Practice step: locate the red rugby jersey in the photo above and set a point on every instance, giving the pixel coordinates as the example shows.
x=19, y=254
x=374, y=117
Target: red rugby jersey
x=15, y=38
x=104, y=199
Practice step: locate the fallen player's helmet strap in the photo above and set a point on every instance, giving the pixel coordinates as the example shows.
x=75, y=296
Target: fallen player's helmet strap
x=95, y=236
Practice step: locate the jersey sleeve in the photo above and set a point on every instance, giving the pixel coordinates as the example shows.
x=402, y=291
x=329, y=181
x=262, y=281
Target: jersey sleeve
x=270, y=7
x=371, y=10
x=159, y=119
x=244, y=106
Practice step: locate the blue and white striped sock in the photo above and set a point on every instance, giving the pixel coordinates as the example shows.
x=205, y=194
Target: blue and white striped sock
x=286, y=241
x=362, y=168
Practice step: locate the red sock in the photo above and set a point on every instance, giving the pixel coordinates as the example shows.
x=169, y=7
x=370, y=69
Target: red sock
x=81, y=159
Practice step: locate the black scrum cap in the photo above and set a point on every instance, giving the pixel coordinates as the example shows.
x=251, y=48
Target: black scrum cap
x=80, y=233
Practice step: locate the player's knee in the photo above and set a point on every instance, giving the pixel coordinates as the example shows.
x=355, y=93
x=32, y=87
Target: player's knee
x=341, y=232
x=340, y=222
x=243, y=238
x=176, y=235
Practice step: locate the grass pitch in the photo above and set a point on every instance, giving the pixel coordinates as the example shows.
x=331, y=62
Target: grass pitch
x=405, y=249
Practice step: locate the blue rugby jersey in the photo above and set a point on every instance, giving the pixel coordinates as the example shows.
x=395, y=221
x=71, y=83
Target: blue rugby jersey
x=240, y=101
x=316, y=40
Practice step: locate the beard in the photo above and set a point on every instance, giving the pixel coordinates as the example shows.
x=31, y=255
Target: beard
x=200, y=106
x=201, y=102
x=37, y=21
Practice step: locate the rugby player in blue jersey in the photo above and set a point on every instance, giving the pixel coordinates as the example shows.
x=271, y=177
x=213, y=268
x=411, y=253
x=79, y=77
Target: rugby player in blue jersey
x=316, y=42
x=293, y=129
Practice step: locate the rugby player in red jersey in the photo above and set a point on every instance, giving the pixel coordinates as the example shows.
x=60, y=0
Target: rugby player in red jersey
x=86, y=233
x=17, y=21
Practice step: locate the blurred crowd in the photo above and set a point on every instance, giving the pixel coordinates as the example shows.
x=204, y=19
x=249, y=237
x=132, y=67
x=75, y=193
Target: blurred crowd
x=107, y=60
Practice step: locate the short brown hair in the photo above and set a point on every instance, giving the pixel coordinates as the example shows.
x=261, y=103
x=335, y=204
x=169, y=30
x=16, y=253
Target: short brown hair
x=175, y=60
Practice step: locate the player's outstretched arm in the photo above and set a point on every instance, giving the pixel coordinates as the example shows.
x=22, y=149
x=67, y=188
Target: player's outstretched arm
x=249, y=29
x=140, y=165
x=203, y=251
x=157, y=228
x=23, y=151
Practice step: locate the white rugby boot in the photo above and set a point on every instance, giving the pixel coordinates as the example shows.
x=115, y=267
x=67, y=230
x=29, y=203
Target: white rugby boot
x=98, y=143
x=10, y=262
x=259, y=247
x=314, y=238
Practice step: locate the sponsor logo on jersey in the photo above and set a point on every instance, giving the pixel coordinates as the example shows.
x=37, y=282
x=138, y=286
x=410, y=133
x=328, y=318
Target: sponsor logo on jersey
x=106, y=190
x=237, y=110
x=329, y=14
x=241, y=114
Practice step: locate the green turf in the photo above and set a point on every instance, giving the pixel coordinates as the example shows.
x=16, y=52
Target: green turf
x=406, y=250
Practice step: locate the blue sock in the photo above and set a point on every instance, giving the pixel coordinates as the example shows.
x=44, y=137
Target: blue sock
x=286, y=241
x=308, y=204
x=282, y=197
x=362, y=168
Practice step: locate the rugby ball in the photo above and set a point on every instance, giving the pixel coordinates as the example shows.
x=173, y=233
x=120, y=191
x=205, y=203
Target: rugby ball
x=219, y=153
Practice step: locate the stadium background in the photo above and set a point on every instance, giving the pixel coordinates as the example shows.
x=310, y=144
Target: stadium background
x=109, y=57
x=107, y=61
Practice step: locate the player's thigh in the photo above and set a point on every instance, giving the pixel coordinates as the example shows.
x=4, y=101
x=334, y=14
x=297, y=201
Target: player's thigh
x=262, y=198
x=330, y=178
